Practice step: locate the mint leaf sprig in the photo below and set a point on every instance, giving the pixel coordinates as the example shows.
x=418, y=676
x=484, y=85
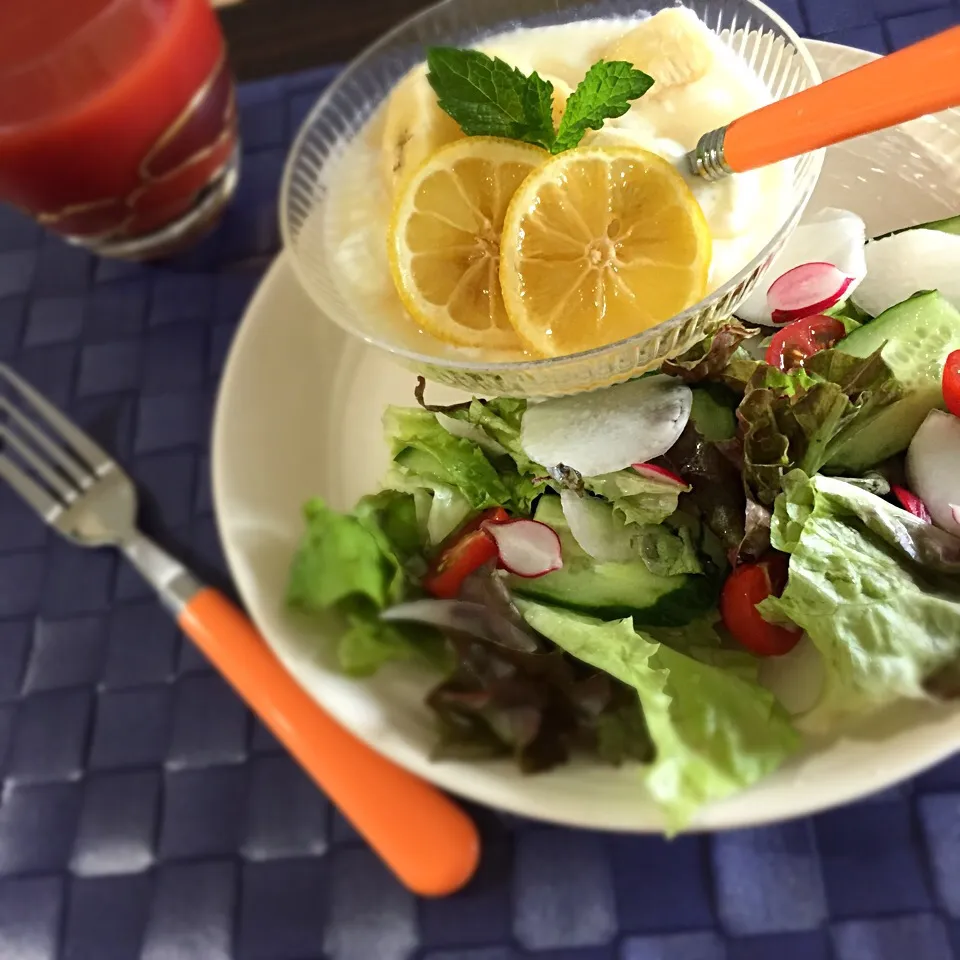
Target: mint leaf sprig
x=489, y=98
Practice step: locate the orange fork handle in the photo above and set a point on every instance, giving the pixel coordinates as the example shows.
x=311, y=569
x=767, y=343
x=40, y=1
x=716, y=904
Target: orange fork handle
x=425, y=839
x=922, y=78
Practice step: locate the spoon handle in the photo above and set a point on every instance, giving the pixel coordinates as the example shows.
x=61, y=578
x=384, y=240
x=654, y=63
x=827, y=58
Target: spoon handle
x=919, y=79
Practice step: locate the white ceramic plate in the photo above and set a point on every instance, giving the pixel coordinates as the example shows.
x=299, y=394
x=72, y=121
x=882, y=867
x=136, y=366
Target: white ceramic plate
x=299, y=415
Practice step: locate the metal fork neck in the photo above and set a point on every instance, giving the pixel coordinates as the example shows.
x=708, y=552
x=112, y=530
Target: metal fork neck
x=172, y=581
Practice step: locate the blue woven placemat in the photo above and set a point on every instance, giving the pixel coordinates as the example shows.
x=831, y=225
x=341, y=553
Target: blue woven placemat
x=145, y=814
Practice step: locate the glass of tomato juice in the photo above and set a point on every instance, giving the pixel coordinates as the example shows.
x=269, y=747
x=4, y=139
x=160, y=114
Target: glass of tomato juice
x=117, y=121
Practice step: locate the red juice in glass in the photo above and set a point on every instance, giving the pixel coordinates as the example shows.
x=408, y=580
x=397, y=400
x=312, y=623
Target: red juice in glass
x=117, y=120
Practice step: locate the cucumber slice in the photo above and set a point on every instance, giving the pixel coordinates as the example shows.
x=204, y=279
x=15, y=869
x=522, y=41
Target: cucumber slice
x=918, y=333
x=614, y=590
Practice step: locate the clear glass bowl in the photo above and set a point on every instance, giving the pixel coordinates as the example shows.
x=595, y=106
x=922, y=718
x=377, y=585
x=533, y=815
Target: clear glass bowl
x=754, y=32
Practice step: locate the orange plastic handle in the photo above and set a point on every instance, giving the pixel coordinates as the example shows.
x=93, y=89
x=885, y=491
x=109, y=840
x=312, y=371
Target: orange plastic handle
x=426, y=840
x=922, y=78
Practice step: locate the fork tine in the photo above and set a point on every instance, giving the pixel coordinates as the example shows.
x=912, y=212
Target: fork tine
x=96, y=458
x=79, y=474
x=32, y=492
x=56, y=483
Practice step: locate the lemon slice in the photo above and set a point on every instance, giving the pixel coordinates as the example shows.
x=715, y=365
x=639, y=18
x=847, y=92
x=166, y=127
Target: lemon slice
x=444, y=239
x=599, y=244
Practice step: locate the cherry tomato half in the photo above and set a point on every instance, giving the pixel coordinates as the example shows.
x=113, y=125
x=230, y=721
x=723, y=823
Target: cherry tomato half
x=463, y=552
x=792, y=344
x=951, y=383
x=745, y=588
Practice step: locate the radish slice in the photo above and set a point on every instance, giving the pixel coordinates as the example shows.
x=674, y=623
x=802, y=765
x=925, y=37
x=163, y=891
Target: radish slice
x=597, y=529
x=831, y=236
x=471, y=431
x=933, y=468
x=911, y=503
x=527, y=548
x=610, y=429
x=900, y=265
x=806, y=290
x=652, y=472
x=955, y=511
x=464, y=616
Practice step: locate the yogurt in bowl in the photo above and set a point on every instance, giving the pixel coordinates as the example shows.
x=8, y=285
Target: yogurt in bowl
x=381, y=123
x=702, y=85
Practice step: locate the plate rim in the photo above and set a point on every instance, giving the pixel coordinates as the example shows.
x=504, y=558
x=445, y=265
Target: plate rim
x=447, y=776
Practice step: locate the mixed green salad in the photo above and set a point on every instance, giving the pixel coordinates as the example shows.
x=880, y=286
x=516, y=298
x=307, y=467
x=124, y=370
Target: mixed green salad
x=604, y=574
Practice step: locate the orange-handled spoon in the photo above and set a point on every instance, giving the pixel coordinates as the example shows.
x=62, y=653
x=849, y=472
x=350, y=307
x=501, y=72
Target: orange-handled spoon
x=922, y=78
x=429, y=842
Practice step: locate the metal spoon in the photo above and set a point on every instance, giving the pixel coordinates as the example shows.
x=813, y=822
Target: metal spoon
x=920, y=79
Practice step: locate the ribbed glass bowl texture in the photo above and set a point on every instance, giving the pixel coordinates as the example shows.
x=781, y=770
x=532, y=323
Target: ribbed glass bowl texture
x=753, y=31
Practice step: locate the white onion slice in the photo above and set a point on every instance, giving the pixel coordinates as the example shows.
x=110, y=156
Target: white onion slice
x=795, y=679
x=471, y=431
x=462, y=615
x=596, y=528
x=831, y=236
x=609, y=429
x=933, y=468
x=899, y=266
x=527, y=548
x=806, y=290
x=652, y=472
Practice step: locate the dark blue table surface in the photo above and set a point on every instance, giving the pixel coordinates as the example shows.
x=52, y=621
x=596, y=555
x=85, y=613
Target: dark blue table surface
x=146, y=814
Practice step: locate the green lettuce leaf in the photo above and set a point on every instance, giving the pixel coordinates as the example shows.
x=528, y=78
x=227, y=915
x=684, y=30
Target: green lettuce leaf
x=717, y=359
x=788, y=420
x=356, y=564
x=428, y=456
x=716, y=498
x=715, y=732
x=354, y=556
x=635, y=498
x=876, y=589
x=797, y=419
x=368, y=643
x=500, y=419
x=421, y=447
x=440, y=509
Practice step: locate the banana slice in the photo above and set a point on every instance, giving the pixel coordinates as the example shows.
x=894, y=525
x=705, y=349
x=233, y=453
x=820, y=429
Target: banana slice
x=414, y=127
x=673, y=46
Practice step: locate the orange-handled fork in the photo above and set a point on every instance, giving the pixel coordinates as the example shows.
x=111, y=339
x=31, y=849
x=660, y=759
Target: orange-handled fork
x=919, y=79
x=428, y=842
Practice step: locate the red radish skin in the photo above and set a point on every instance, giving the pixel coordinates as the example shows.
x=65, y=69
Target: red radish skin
x=527, y=548
x=831, y=236
x=805, y=290
x=654, y=472
x=950, y=381
x=912, y=503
